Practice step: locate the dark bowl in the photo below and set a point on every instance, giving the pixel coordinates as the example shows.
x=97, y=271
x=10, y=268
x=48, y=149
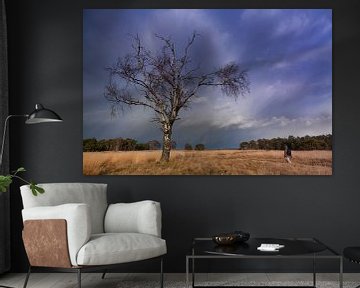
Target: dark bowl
x=225, y=239
x=231, y=238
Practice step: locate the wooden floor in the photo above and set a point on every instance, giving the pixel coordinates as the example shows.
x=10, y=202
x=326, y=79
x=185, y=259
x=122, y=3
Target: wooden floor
x=113, y=280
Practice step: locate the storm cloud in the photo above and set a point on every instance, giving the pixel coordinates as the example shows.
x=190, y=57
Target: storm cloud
x=287, y=53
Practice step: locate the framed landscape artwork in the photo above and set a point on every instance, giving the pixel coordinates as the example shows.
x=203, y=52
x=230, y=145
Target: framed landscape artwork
x=207, y=92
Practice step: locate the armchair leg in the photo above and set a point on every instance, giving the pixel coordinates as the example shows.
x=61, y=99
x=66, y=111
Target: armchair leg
x=27, y=277
x=161, y=273
x=79, y=277
x=103, y=275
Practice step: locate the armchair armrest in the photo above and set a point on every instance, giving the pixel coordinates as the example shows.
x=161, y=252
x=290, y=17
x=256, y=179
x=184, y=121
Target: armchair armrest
x=138, y=217
x=77, y=217
x=52, y=250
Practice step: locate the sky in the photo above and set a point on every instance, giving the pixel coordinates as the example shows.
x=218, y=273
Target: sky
x=287, y=54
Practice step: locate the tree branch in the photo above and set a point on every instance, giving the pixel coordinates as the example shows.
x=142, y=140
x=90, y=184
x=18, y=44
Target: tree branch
x=166, y=82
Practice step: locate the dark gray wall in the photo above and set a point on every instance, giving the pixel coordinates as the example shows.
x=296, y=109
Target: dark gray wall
x=45, y=39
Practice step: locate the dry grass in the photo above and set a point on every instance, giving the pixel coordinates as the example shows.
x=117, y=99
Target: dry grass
x=210, y=162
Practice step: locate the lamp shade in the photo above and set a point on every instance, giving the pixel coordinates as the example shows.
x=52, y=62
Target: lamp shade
x=42, y=115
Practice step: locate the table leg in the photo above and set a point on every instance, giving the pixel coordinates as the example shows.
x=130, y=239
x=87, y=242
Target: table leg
x=193, y=272
x=187, y=272
x=314, y=271
x=341, y=273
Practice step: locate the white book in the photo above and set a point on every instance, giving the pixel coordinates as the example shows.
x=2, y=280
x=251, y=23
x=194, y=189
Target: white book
x=270, y=247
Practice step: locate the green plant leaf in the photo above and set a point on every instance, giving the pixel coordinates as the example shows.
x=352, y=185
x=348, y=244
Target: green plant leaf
x=40, y=189
x=36, y=189
x=20, y=169
x=5, y=182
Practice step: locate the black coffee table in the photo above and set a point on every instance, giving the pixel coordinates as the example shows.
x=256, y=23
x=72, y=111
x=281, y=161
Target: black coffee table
x=294, y=248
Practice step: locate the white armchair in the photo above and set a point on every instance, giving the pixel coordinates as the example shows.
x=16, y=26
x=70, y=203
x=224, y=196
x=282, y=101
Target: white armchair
x=72, y=228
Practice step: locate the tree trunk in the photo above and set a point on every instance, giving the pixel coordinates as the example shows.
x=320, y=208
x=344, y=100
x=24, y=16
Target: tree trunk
x=167, y=130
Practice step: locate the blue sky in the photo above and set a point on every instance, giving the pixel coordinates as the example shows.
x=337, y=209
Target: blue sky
x=287, y=53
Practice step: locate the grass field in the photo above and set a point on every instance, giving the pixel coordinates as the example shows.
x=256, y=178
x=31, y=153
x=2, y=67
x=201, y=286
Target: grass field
x=209, y=162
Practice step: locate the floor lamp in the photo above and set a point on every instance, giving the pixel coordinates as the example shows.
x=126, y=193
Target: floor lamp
x=39, y=115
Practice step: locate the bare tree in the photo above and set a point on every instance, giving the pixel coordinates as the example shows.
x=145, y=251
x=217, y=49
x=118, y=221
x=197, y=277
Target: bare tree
x=166, y=82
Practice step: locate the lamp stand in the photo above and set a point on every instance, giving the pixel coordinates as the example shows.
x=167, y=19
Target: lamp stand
x=4, y=135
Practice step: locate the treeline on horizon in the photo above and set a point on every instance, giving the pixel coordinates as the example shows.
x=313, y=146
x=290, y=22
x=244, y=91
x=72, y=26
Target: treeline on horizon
x=320, y=142
x=119, y=144
x=128, y=144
